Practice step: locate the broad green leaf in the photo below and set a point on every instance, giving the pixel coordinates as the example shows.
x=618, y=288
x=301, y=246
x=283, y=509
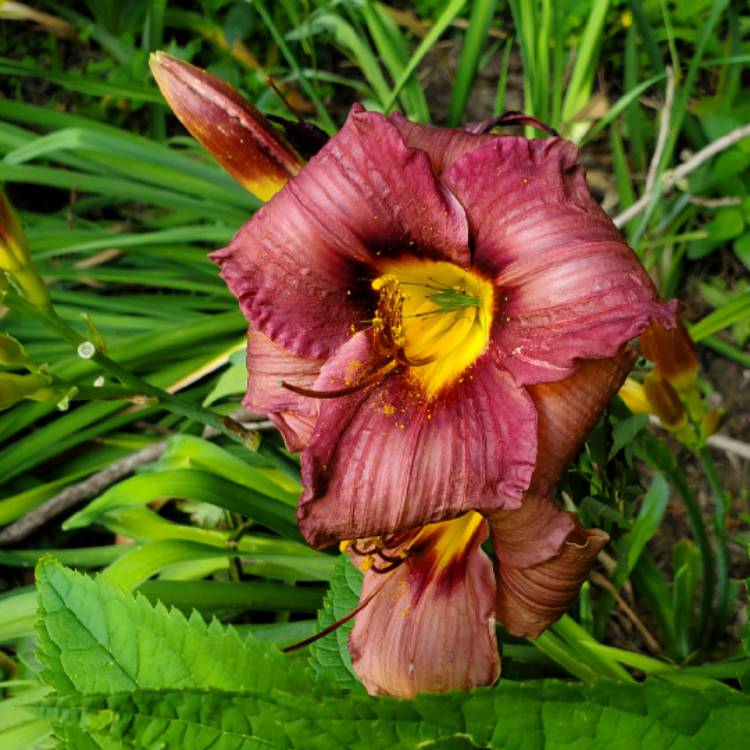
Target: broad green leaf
x=524, y=716
x=95, y=637
x=330, y=655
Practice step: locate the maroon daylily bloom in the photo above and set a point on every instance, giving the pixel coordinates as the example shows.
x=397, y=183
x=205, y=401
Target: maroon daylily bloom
x=404, y=292
x=429, y=597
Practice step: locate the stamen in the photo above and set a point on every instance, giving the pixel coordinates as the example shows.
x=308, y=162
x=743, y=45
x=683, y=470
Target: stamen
x=371, y=379
x=335, y=625
x=404, y=360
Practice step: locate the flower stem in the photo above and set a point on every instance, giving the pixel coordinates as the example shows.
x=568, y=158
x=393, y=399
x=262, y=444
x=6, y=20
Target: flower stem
x=172, y=403
x=698, y=528
x=721, y=502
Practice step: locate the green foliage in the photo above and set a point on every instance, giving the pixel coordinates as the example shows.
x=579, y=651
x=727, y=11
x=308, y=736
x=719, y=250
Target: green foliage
x=330, y=655
x=128, y=674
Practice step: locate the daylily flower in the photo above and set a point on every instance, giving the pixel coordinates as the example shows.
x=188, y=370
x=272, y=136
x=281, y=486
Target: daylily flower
x=437, y=319
x=403, y=291
x=429, y=598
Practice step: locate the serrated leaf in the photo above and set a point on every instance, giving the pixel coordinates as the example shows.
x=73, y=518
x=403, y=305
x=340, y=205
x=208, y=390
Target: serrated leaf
x=523, y=716
x=330, y=655
x=95, y=637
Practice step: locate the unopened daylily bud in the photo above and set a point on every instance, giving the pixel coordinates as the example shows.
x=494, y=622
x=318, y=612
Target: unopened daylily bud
x=11, y=351
x=15, y=258
x=664, y=401
x=239, y=137
x=710, y=422
x=14, y=388
x=14, y=249
x=634, y=395
x=673, y=352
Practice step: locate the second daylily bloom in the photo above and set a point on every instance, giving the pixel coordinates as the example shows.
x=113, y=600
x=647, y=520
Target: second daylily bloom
x=430, y=597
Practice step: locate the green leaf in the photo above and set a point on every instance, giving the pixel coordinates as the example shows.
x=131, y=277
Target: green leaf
x=624, y=432
x=190, y=484
x=95, y=637
x=737, y=309
x=524, y=716
x=330, y=655
x=20, y=729
x=648, y=521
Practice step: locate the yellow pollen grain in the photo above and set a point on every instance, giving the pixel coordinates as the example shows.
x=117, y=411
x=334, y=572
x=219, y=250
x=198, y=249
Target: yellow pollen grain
x=389, y=410
x=367, y=563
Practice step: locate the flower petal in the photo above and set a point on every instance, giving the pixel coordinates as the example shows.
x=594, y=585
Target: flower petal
x=302, y=259
x=431, y=626
x=569, y=409
x=442, y=145
x=530, y=599
x=533, y=533
x=269, y=364
x=241, y=139
x=387, y=458
x=571, y=287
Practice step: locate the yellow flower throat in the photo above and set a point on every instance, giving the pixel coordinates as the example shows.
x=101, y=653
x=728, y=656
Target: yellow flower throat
x=436, y=315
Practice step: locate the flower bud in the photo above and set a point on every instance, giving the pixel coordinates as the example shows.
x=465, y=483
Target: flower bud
x=710, y=422
x=673, y=352
x=664, y=401
x=15, y=258
x=634, y=395
x=239, y=137
x=11, y=351
x=13, y=387
x=14, y=249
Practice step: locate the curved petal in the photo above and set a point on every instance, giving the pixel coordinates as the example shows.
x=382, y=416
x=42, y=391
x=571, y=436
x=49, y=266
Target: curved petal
x=268, y=364
x=442, y=145
x=570, y=286
x=531, y=599
x=533, y=533
x=431, y=626
x=386, y=458
x=297, y=266
x=569, y=409
x=566, y=411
